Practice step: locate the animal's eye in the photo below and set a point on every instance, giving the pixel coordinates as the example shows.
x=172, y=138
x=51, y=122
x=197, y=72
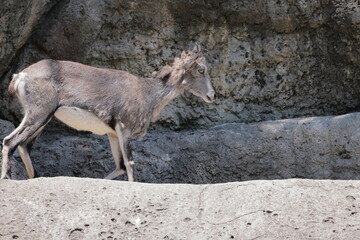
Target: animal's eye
x=201, y=70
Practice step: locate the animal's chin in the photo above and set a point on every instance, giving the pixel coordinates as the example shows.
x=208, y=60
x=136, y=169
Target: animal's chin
x=205, y=98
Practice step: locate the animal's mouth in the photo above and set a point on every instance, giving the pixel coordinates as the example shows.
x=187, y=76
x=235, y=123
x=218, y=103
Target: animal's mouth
x=208, y=98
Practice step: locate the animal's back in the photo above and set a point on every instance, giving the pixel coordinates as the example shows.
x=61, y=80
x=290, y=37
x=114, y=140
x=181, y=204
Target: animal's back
x=108, y=94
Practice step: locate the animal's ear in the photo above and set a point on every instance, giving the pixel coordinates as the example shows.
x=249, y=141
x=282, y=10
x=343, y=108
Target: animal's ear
x=197, y=49
x=189, y=62
x=164, y=73
x=190, y=57
x=184, y=55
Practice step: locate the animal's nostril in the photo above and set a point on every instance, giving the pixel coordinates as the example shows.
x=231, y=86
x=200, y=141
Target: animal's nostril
x=211, y=96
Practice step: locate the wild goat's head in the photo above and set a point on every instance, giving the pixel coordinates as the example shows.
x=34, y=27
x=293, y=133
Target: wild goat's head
x=196, y=78
x=190, y=72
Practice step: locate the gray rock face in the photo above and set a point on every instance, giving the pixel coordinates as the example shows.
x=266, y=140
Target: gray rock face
x=68, y=208
x=17, y=26
x=268, y=59
x=317, y=148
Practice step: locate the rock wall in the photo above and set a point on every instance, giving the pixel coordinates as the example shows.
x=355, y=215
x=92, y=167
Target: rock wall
x=268, y=59
x=316, y=148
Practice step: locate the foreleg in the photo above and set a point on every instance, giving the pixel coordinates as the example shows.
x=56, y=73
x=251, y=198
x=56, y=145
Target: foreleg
x=116, y=152
x=124, y=136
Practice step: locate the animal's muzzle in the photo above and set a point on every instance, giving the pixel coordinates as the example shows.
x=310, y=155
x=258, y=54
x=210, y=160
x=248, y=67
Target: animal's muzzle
x=210, y=96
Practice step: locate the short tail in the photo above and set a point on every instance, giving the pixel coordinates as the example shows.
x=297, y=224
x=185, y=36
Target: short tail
x=11, y=89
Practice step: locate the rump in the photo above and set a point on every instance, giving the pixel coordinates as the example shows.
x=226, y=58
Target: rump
x=11, y=89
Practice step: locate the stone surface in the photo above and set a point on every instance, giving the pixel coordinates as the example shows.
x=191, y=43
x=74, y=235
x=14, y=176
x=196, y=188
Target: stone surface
x=6, y=128
x=75, y=208
x=268, y=59
x=317, y=148
x=17, y=26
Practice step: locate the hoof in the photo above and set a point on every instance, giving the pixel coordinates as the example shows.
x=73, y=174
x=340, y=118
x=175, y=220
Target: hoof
x=7, y=176
x=36, y=174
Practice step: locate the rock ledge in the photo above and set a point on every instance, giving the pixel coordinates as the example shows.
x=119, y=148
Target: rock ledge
x=80, y=208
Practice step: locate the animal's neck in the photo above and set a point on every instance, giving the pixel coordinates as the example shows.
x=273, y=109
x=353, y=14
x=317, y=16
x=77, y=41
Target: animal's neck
x=166, y=94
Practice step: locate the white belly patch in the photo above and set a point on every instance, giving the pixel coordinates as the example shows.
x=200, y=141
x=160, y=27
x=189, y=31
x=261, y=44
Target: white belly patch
x=83, y=120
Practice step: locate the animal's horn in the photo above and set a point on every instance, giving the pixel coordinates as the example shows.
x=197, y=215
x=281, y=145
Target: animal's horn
x=197, y=48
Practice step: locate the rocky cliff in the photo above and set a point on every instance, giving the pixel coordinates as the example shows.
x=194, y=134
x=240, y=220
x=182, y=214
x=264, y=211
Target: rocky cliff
x=267, y=59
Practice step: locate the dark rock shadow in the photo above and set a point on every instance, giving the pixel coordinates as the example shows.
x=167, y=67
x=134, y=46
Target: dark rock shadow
x=314, y=148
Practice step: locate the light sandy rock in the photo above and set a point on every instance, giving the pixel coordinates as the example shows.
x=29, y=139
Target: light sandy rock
x=78, y=208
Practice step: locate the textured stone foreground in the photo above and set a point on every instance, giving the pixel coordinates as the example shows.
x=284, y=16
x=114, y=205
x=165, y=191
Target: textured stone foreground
x=80, y=208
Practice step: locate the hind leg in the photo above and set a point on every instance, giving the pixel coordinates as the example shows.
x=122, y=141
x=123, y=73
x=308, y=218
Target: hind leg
x=21, y=136
x=39, y=98
x=24, y=150
x=7, y=151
